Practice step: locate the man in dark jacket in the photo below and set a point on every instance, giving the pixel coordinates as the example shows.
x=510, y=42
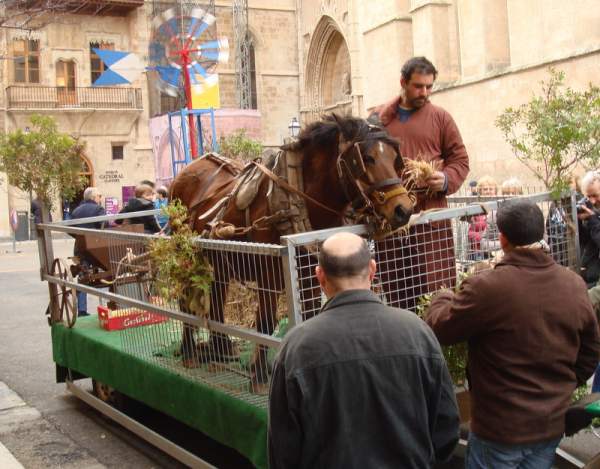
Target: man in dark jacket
x=144, y=200
x=90, y=207
x=361, y=384
x=589, y=228
x=533, y=338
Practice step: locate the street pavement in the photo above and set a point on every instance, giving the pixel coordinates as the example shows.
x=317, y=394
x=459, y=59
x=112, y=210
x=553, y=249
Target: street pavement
x=41, y=423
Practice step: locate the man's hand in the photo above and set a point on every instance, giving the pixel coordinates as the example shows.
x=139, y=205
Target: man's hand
x=584, y=213
x=436, y=181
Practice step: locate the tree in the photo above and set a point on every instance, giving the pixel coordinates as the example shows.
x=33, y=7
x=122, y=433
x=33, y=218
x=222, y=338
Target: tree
x=556, y=131
x=239, y=146
x=42, y=160
x=35, y=14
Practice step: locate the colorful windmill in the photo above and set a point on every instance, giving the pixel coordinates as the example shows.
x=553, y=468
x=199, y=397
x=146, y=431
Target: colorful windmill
x=184, y=61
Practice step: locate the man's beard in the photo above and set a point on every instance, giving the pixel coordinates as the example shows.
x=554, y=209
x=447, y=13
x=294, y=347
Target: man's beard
x=417, y=103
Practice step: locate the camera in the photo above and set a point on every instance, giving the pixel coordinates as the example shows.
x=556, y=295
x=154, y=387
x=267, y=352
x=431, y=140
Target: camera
x=585, y=202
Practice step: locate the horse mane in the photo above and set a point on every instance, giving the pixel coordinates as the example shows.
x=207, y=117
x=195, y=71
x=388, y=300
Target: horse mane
x=325, y=133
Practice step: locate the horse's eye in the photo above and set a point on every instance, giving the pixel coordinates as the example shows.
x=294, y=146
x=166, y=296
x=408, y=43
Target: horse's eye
x=369, y=159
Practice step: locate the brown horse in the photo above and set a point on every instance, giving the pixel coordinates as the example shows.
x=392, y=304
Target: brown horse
x=345, y=162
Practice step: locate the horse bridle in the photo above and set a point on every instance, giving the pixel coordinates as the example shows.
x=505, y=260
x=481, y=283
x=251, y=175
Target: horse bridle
x=351, y=168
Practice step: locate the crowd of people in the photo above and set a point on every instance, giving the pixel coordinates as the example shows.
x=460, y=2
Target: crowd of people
x=146, y=198
x=364, y=384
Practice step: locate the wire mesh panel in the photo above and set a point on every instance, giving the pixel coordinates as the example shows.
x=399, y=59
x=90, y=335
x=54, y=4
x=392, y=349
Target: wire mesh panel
x=232, y=344
x=440, y=249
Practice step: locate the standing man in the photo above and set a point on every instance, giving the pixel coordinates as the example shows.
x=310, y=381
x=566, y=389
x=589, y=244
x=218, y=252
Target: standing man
x=426, y=132
x=90, y=207
x=532, y=337
x=588, y=213
x=361, y=384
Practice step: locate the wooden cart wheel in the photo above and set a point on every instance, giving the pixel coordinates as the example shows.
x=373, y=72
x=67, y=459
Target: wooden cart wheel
x=67, y=296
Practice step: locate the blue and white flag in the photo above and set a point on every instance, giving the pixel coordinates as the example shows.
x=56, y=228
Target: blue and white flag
x=122, y=67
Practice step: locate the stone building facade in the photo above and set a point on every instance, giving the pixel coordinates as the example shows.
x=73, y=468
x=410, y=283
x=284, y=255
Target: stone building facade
x=310, y=57
x=113, y=122
x=491, y=54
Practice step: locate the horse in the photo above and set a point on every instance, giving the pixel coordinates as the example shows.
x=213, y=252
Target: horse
x=345, y=162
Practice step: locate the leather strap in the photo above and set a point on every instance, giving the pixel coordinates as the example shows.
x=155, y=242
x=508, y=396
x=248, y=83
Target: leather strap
x=283, y=183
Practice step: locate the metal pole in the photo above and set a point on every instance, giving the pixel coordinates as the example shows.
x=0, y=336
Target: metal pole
x=185, y=59
x=290, y=270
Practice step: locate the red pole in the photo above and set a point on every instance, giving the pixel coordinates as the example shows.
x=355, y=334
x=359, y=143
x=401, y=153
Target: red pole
x=185, y=60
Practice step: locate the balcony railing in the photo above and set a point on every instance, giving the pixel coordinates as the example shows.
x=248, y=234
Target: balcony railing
x=91, y=97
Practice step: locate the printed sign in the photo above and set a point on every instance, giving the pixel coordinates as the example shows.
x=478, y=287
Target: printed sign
x=111, y=205
x=128, y=192
x=111, y=176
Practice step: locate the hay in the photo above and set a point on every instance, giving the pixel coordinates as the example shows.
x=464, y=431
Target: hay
x=418, y=171
x=242, y=304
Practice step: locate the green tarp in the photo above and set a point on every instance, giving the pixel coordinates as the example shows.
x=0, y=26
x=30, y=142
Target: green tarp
x=97, y=353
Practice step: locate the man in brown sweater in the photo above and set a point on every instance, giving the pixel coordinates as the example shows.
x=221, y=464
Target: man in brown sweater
x=532, y=338
x=426, y=132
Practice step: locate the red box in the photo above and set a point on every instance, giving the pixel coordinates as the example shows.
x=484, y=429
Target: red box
x=115, y=320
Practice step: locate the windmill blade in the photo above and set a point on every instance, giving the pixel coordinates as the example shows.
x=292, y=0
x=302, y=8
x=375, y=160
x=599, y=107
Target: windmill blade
x=197, y=69
x=156, y=52
x=221, y=56
x=221, y=44
x=200, y=22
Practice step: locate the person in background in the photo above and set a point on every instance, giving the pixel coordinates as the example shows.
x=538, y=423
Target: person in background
x=90, y=207
x=512, y=186
x=483, y=236
x=161, y=201
x=147, y=182
x=143, y=200
x=532, y=339
x=473, y=188
x=362, y=384
x=588, y=214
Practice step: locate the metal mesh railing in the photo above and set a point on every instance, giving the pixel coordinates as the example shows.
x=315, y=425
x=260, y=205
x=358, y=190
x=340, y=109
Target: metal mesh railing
x=258, y=291
x=225, y=337
x=435, y=253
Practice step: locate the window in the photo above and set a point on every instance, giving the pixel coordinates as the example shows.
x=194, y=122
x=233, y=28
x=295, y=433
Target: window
x=117, y=151
x=170, y=103
x=252, y=59
x=26, y=55
x=96, y=64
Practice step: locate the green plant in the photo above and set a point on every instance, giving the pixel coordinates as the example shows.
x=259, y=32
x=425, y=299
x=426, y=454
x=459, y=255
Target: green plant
x=239, y=146
x=455, y=355
x=556, y=131
x=43, y=161
x=182, y=272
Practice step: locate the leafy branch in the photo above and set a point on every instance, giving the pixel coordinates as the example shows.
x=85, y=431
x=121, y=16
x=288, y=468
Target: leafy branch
x=182, y=272
x=43, y=161
x=555, y=132
x=240, y=147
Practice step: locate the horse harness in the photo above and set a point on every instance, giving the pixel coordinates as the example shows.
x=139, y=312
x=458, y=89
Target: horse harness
x=285, y=194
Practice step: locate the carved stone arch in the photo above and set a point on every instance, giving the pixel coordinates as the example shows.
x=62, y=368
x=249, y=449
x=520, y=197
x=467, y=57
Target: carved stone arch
x=328, y=71
x=87, y=169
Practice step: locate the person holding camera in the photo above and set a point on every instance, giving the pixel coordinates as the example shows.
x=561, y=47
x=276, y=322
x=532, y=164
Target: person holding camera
x=588, y=213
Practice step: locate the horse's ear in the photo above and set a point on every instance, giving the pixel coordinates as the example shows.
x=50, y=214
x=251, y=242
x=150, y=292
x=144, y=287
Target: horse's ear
x=343, y=144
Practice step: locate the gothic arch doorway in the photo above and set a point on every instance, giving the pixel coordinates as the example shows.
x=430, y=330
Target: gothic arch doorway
x=87, y=172
x=328, y=83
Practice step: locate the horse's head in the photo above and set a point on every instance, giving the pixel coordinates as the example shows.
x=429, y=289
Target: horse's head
x=369, y=164
x=362, y=164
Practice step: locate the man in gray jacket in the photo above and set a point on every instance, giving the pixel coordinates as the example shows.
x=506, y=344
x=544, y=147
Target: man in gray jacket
x=361, y=384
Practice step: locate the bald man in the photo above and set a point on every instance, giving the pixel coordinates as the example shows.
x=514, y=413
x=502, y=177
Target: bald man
x=361, y=384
